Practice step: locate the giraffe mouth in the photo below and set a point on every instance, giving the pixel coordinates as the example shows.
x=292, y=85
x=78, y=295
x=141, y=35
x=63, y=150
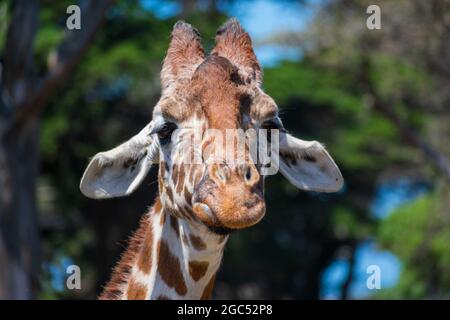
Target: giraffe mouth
x=205, y=214
x=228, y=207
x=224, y=219
x=203, y=211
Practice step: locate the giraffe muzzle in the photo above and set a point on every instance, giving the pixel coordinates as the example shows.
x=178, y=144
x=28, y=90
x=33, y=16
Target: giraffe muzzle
x=230, y=197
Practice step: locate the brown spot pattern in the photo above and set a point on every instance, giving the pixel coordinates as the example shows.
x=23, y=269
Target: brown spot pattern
x=136, y=291
x=162, y=172
x=308, y=158
x=145, y=257
x=175, y=174
x=197, y=242
x=197, y=269
x=290, y=158
x=158, y=205
x=187, y=196
x=170, y=270
x=169, y=194
x=160, y=185
x=180, y=183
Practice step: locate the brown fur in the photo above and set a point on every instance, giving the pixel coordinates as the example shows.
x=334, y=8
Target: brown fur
x=158, y=206
x=187, y=196
x=184, y=50
x=169, y=193
x=235, y=44
x=160, y=185
x=197, y=242
x=170, y=270
x=180, y=183
x=136, y=290
x=212, y=84
x=175, y=174
x=145, y=254
x=263, y=107
x=196, y=173
x=161, y=175
x=197, y=269
x=290, y=158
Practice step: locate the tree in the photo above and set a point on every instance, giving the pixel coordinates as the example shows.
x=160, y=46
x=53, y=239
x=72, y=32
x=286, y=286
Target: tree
x=24, y=95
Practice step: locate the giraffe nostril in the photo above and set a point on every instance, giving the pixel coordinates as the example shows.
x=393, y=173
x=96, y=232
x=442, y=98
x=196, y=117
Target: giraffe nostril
x=248, y=174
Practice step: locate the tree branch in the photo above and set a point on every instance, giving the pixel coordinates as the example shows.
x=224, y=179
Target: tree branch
x=408, y=133
x=351, y=266
x=15, y=81
x=62, y=62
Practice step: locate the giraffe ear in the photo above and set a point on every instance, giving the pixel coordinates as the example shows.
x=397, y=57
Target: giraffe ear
x=308, y=166
x=119, y=171
x=184, y=54
x=233, y=43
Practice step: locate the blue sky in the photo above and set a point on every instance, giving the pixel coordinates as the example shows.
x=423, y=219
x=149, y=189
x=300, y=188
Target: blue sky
x=261, y=19
x=389, y=196
x=367, y=254
x=264, y=18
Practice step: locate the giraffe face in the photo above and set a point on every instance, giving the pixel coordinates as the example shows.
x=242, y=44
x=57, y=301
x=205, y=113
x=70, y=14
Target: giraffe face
x=204, y=98
x=223, y=192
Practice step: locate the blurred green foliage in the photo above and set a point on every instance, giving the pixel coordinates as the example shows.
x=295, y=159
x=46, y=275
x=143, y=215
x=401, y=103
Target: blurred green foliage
x=419, y=233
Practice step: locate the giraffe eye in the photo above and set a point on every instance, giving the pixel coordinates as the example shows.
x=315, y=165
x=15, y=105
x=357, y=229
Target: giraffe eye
x=165, y=131
x=269, y=125
x=272, y=124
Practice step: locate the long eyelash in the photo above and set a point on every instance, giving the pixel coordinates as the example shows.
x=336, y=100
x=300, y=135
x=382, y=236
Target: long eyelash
x=167, y=126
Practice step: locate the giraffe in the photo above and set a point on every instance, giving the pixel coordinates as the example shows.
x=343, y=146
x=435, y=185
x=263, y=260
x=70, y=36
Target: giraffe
x=178, y=247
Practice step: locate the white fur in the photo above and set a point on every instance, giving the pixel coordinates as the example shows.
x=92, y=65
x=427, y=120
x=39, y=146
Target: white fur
x=321, y=175
x=106, y=176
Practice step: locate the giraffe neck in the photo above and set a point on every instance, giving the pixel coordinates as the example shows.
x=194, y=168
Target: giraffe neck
x=167, y=258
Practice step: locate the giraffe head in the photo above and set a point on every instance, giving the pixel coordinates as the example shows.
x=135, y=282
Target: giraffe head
x=208, y=171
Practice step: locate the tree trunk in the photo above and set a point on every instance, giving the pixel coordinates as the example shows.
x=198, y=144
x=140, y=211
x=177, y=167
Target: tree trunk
x=19, y=238
x=23, y=96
